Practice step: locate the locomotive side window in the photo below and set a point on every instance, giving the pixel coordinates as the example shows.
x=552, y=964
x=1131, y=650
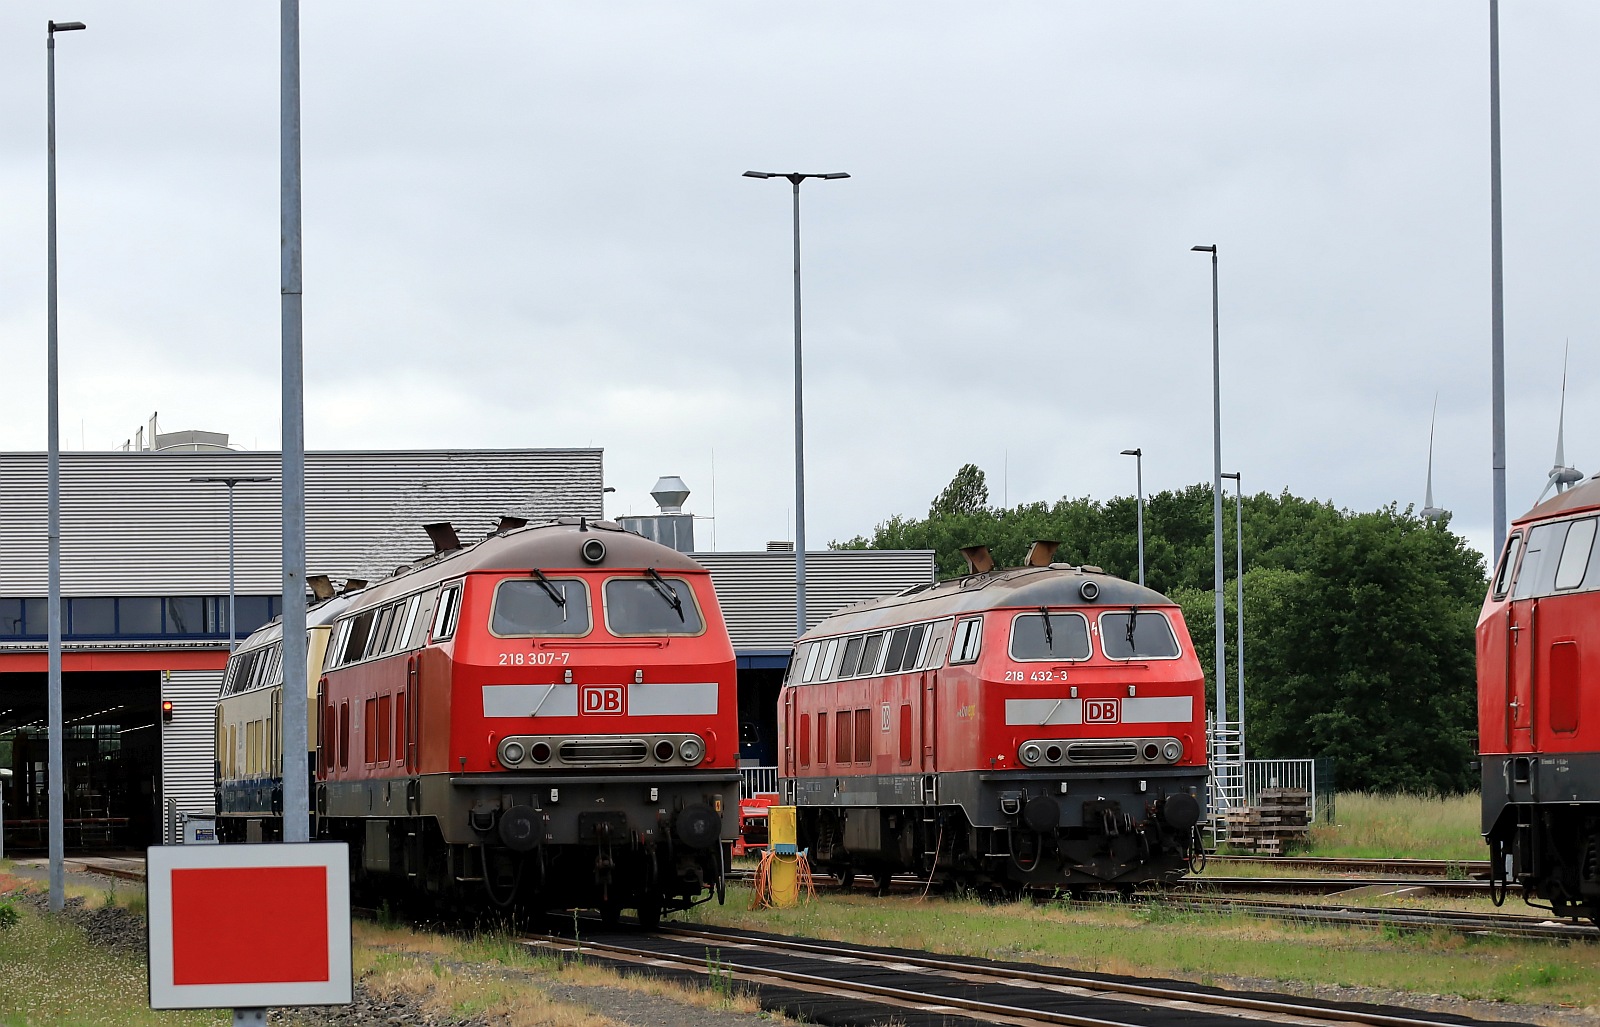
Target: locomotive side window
x=969, y=638
x=863, y=736
x=355, y=646
x=344, y=734
x=540, y=606
x=870, y=653
x=1060, y=636
x=897, y=650
x=813, y=655
x=804, y=744
x=651, y=606
x=444, y=618
x=915, y=647
x=1575, y=554
x=413, y=606
x=829, y=664
x=852, y=657
x=1137, y=635
x=842, y=737
x=905, y=733
x=381, y=626
x=1502, y=580
x=822, y=738
x=371, y=731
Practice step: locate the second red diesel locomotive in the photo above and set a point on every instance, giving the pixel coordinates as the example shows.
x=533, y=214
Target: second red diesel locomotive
x=1040, y=727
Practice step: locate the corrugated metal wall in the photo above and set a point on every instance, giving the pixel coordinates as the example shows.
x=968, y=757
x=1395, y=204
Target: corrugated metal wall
x=756, y=590
x=187, y=749
x=134, y=524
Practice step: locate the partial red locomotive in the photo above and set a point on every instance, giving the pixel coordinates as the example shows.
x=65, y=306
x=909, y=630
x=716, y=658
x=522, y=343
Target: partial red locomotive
x=1041, y=727
x=544, y=719
x=1539, y=706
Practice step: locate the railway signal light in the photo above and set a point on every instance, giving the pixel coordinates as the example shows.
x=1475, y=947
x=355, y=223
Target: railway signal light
x=166, y=710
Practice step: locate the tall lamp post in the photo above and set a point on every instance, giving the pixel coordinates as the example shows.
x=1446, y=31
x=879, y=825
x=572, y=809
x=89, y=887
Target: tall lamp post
x=58, y=784
x=1138, y=477
x=795, y=178
x=1216, y=484
x=1238, y=606
x=1497, y=323
x=230, y=482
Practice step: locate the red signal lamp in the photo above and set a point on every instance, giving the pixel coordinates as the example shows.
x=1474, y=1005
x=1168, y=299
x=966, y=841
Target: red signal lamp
x=166, y=709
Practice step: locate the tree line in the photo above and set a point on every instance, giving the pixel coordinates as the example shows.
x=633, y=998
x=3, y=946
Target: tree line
x=1358, y=625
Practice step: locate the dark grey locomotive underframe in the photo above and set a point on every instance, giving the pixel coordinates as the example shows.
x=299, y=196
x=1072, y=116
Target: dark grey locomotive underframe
x=1537, y=809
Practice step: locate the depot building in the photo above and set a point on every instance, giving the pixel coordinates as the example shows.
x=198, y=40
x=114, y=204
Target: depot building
x=145, y=585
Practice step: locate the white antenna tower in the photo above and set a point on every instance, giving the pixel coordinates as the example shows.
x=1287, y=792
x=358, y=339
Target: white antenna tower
x=1429, y=511
x=1562, y=477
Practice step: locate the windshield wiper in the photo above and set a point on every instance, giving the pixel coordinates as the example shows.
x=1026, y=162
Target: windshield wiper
x=1133, y=620
x=557, y=597
x=658, y=583
x=1049, y=636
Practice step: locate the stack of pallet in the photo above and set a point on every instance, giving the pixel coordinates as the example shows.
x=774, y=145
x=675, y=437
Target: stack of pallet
x=1282, y=818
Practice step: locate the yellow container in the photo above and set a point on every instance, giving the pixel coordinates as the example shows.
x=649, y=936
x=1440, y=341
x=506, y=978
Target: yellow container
x=782, y=833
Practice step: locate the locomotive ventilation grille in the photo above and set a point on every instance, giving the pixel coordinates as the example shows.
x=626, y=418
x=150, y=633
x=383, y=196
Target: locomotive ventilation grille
x=1055, y=752
x=536, y=752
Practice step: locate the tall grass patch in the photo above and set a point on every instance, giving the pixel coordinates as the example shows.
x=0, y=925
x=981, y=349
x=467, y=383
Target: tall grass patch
x=1409, y=826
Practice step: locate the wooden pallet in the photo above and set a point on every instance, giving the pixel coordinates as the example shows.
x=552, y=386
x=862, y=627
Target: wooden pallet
x=1282, y=818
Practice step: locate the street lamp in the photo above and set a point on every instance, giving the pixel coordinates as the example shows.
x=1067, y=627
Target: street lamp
x=230, y=482
x=1238, y=612
x=1216, y=482
x=58, y=785
x=5, y=775
x=795, y=178
x=1138, y=475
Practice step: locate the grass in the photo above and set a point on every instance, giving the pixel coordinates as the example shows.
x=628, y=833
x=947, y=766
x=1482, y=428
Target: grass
x=1201, y=946
x=1393, y=826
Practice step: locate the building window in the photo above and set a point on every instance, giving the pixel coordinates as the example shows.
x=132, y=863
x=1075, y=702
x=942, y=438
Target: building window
x=91, y=617
x=139, y=616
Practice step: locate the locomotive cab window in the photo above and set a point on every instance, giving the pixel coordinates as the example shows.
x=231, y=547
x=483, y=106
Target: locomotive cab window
x=444, y=618
x=1049, y=636
x=813, y=653
x=540, y=606
x=1137, y=635
x=651, y=606
x=969, y=638
x=1508, y=564
x=870, y=654
x=1575, y=555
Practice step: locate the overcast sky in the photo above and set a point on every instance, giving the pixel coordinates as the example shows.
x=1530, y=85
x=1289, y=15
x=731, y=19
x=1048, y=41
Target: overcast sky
x=525, y=226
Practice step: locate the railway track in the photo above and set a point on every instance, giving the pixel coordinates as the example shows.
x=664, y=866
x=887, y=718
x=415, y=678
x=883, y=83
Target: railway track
x=1449, y=868
x=1505, y=925
x=815, y=978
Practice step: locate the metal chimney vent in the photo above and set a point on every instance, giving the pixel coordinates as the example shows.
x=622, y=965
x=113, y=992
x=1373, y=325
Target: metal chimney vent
x=669, y=494
x=780, y=547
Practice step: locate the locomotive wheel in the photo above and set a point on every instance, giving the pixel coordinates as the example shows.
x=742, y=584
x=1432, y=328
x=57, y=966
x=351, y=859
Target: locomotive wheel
x=650, y=912
x=882, y=879
x=846, y=876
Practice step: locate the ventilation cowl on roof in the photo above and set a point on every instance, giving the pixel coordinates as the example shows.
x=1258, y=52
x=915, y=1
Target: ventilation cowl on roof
x=669, y=494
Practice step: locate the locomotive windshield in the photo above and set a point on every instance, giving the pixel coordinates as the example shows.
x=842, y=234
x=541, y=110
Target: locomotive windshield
x=651, y=606
x=1054, y=636
x=541, y=606
x=1137, y=635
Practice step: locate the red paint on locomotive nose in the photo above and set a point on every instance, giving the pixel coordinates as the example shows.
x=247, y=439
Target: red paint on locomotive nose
x=250, y=925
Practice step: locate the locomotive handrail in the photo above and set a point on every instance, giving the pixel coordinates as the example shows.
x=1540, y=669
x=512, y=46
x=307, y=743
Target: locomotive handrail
x=643, y=643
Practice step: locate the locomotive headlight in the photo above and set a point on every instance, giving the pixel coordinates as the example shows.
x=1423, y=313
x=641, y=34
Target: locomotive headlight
x=511, y=753
x=1030, y=753
x=691, y=749
x=541, y=752
x=1172, y=750
x=664, y=750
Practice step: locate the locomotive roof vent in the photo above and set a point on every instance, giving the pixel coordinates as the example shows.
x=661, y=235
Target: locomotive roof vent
x=669, y=494
x=321, y=587
x=443, y=536
x=509, y=522
x=353, y=585
x=979, y=559
x=1090, y=568
x=1041, y=552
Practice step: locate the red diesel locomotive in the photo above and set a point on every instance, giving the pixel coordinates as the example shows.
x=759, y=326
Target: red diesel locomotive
x=1539, y=707
x=544, y=719
x=1040, y=727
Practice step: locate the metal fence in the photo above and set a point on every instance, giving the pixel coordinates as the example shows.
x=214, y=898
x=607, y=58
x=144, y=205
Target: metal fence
x=757, y=779
x=1263, y=774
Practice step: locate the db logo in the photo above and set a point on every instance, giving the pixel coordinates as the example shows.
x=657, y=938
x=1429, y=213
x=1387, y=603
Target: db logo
x=1101, y=711
x=601, y=700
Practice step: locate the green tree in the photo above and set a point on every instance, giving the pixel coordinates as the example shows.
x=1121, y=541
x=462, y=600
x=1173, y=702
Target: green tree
x=967, y=493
